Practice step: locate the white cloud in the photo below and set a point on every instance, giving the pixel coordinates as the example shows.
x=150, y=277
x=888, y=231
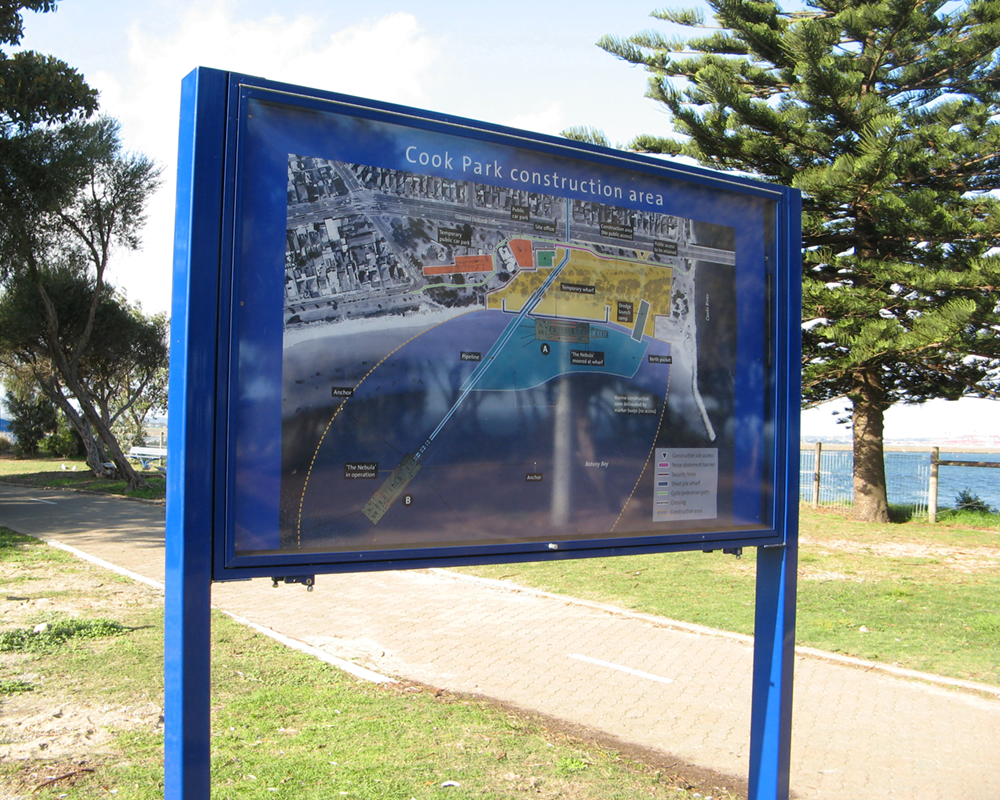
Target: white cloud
x=352, y=60
x=551, y=120
x=390, y=59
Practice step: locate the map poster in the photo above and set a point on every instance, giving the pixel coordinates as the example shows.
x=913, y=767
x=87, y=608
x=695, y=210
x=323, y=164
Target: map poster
x=476, y=339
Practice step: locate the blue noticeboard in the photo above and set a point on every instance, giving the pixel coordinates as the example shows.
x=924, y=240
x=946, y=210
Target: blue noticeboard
x=403, y=339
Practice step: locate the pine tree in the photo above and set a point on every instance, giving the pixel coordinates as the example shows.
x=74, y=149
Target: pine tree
x=885, y=114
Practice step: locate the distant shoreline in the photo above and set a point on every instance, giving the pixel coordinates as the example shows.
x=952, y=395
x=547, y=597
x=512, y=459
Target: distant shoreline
x=947, y=447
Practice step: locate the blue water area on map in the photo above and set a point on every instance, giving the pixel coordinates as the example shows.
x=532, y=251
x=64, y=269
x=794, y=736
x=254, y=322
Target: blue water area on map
x=526, y=362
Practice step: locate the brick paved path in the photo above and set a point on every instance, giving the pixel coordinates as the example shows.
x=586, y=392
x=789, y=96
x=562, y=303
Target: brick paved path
x=685, y=693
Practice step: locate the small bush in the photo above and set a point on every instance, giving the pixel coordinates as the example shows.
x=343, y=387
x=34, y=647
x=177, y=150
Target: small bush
x=967, y=500
x=51, y=635
x=15, y=686
x=63, y=443
x=32, y=418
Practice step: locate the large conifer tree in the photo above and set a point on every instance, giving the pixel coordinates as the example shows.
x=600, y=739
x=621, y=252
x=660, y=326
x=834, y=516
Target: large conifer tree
x=885, y=114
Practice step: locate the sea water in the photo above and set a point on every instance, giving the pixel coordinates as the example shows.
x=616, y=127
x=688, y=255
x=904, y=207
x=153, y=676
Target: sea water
x=907, y=477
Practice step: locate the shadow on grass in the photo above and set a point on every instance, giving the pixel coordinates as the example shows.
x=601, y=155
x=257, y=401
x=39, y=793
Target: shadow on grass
x=83, y=480
x=901, y=513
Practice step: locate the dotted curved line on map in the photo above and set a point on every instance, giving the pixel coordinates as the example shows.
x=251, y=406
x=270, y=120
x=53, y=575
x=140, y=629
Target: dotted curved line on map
x=326, y=430
x=663, y=413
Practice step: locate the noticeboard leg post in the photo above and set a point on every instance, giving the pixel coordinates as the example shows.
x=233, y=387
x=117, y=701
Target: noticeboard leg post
x=190, y=499
x=187, y=672
x=773, y=662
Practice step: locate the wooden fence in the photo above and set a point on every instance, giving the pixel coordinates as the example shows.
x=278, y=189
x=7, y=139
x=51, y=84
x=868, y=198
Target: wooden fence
x=936, y=463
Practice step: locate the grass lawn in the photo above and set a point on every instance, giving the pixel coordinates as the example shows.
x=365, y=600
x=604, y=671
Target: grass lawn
x=48, y=473
x=82, y=702
x=921, y=596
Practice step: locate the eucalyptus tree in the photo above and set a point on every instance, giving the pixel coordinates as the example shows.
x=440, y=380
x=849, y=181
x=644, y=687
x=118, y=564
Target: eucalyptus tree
x=118, y=373
x=73, y=202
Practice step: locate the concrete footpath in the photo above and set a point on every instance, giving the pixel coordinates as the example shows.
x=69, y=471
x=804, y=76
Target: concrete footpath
x=680, y=691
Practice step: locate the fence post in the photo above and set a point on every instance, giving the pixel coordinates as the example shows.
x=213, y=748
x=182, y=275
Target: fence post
x=816, y=473
x=932, y=490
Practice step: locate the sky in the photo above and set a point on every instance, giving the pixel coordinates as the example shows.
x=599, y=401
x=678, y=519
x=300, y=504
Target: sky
x=527, y=64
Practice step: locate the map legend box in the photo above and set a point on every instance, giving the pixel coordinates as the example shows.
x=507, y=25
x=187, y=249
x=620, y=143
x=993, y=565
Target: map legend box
x=686, y=484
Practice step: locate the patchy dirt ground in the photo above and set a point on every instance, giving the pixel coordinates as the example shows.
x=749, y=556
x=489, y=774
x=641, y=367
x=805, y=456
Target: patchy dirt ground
x=59, y=773
x=957, y=559
x=34, y=727
x=51, y=740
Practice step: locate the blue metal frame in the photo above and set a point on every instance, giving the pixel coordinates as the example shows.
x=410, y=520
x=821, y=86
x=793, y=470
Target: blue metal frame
x=190, y=481
x=774, y=620
x=724, y=196
x=200, y=439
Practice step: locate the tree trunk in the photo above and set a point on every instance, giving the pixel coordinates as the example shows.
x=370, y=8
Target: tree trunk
x=132, y=478
x=101, y=444
x=871, y=503
x=67, y=368
x=95, y=456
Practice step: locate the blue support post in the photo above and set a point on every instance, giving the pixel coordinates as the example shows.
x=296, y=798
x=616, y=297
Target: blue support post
x=190, y=511
x=774, y=623
x=773, y=660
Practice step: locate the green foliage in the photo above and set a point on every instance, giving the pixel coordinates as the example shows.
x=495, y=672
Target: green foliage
x=901, y=513
x=64, y=442
x=69, y=195
x=32, y=419
x=886, y=114
x=42, y=171
x=43, y=149
x=49, y=635
x=36, y=88
x=73, y=198
x=967, y=500
x=124, y=364
x=584, y=133
x=15, y=686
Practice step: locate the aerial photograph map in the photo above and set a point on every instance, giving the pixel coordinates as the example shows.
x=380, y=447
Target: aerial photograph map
x=465, y=362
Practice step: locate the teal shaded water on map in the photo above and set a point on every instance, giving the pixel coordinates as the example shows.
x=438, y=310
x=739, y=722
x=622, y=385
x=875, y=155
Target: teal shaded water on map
x=526, y=362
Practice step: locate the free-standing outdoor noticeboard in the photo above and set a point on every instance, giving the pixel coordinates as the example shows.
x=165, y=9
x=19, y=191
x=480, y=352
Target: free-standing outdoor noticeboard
x=402, y=339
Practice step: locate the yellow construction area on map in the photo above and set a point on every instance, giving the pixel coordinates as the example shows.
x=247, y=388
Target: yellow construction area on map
x=613, y=280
